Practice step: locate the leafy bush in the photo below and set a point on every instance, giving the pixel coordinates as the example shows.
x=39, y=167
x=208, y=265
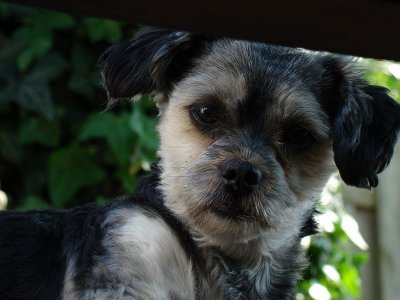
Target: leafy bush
x=60, y=148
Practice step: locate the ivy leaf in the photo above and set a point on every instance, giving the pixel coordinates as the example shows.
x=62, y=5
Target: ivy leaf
x=38, y=36
x=70, y=170
x=35, y=97
x=116, y=131
x=128, y=181
x=145, y=127
x=48, y=68
x=37, y=44
x=85, y=76
x=106, y=30
x=40, y=131
x=33, y=91
x=46, y=20
x=33, y=202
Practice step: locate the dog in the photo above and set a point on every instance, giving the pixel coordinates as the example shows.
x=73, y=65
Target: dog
x=249, y=135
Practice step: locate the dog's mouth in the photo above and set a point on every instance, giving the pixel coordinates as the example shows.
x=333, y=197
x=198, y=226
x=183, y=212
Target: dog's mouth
x=233, y=212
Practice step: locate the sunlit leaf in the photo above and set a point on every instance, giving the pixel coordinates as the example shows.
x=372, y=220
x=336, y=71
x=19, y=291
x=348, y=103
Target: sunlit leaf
x=351, y=279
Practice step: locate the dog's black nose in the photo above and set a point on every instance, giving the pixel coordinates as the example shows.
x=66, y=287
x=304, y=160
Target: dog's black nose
x=241, y=176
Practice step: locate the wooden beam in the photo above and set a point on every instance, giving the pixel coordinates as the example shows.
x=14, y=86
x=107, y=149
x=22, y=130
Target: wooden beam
x=358, y=27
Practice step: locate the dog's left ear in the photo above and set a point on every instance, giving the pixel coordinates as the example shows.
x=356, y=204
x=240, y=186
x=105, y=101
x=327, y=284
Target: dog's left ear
x=151, y=62
x=365, y=123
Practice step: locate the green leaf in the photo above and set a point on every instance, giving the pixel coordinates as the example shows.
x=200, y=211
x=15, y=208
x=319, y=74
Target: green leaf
x=106, y=30
x=71, y=169
x=37, y=35
x=33, y=91
x=85, y=75
x=128, y=181
x=47, y=69
x=37, y=42
x=52, y=20
x=145, y=127
x=35, y=97
x=40, y=131
x=33, y=202
x=351, y=279
x=115, y=130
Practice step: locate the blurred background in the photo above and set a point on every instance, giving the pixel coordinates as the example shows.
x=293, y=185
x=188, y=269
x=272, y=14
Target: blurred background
x=60, y=148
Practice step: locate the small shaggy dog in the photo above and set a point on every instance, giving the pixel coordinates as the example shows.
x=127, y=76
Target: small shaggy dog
x=249, y=134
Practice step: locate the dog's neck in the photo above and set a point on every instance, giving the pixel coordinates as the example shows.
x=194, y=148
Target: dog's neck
x=266, y=265
x=247, y=253
x=249, y=268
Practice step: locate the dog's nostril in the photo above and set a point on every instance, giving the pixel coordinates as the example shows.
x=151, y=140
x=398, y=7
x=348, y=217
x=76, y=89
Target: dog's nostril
x=229, y=174
x=252, y=176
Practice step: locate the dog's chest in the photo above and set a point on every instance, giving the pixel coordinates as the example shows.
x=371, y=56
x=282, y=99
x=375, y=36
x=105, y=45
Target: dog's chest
x=228, y=282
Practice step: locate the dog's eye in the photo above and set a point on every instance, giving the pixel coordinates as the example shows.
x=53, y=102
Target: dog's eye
x=299, y=137
x=205, y=115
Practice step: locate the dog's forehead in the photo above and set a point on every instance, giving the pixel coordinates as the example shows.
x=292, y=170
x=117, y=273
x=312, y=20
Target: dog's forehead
x=253, y=77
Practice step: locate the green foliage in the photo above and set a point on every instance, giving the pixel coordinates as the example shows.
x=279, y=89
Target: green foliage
x=58, y=147
x=69, y=170
x=384, y=73
x=334, y=272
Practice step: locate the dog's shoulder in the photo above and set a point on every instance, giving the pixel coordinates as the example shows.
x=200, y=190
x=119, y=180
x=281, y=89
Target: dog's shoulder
x=131, y=246
x=141, y=251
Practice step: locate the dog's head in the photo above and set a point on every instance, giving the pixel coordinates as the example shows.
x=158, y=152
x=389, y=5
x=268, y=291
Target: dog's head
x=251, y=132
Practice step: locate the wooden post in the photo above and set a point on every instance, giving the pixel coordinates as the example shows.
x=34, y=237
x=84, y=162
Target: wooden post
x=388, y=212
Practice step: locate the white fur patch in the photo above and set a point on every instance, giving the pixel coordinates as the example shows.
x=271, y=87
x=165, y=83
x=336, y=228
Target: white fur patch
x=146, y=253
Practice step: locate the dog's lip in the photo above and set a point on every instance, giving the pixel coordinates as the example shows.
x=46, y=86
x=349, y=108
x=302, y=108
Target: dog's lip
x=234, y=213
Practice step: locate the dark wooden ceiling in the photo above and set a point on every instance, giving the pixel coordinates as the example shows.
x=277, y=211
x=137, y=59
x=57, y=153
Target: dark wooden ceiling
x=369, y=28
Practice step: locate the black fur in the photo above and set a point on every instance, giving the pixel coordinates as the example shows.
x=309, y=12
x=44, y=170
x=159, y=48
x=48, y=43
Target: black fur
x=32, y=261
x=365, y=135
x=153, y=61
x=365, y=122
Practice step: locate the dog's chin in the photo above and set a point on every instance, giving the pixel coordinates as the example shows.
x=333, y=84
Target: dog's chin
x=236, y=214
x=222, y=226
x=228, y=223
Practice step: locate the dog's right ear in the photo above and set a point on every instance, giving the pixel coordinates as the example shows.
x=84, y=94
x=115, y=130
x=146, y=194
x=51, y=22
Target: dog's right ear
x=152, y=62
x=365, y=123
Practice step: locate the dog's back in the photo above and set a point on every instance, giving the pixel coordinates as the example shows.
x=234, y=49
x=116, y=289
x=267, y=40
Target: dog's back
x=34, y=248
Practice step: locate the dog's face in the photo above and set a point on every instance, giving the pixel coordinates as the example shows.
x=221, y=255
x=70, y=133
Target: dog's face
x=241, y=142
x=251, y=132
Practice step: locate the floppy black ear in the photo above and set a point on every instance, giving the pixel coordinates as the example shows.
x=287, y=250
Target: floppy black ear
x=365, y=127
x=151, y=62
